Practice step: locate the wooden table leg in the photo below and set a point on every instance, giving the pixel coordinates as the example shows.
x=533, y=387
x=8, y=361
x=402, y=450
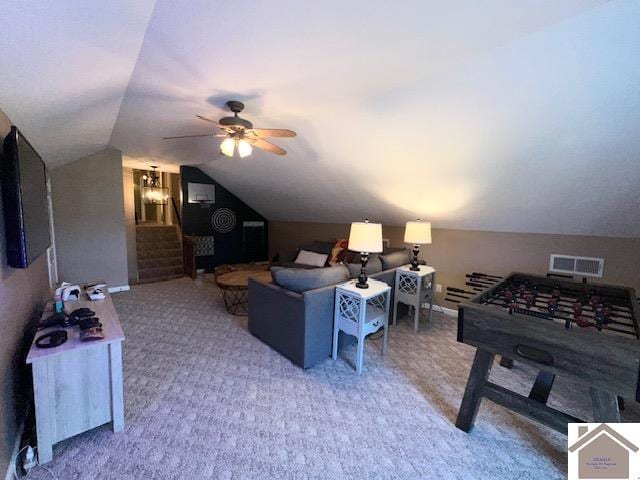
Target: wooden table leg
x=117, y=395
x=542, y=387
x=43, y=394
x=605, y=406
x=387, y=304
x=473, y=392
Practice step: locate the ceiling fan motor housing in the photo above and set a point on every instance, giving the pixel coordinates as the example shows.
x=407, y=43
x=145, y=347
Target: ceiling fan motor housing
x=235, y=122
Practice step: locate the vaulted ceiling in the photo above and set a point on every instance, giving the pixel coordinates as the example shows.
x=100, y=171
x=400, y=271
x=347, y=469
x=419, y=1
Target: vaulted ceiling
x=497, y=115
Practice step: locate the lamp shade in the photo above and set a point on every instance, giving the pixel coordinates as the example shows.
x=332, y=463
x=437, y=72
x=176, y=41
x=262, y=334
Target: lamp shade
x=418, y=233
x=365, y=237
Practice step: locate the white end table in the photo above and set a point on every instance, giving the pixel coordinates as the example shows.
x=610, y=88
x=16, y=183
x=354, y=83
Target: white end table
x=359, y=312
x=413, y=288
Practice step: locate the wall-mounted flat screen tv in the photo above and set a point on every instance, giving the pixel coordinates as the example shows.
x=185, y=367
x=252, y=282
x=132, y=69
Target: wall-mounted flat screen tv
x=24, y=200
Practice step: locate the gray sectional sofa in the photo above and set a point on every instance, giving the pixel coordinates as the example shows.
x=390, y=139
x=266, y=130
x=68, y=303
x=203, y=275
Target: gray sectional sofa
x=294, y=313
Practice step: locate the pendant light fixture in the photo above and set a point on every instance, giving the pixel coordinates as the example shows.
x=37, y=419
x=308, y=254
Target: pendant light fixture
x=153, y=192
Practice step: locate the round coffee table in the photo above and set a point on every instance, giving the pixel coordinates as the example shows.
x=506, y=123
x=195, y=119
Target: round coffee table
x=234, y=286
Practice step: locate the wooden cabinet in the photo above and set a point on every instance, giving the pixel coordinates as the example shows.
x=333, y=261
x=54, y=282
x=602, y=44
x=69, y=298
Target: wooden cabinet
x=78, y=385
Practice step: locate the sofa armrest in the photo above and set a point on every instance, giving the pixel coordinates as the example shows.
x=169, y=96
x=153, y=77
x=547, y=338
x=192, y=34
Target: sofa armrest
x=276, y=316
x=319, y=308
x=386, y=276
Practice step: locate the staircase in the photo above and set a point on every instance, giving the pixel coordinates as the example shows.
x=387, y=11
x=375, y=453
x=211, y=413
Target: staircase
x=159, y=253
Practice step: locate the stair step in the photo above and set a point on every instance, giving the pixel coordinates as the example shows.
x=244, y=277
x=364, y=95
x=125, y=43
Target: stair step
x=174, y=261
x=159, y=243
x=159, y=279
x=157, y=234
x=151, y=253
x=145, y=273
x=159, y=253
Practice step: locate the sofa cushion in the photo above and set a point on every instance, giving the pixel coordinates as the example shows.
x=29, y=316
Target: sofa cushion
x=395, y=259
x=300, y=280
x=374, y=265
x=294, y=265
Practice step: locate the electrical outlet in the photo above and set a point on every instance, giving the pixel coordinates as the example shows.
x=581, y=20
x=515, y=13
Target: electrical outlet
x=438, y=288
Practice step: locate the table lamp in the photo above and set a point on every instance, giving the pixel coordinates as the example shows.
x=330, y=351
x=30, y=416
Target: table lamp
x=418, y=233
x=366, y=238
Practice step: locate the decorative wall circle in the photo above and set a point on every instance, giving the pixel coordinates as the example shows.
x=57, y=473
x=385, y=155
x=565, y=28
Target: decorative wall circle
x=223, y=220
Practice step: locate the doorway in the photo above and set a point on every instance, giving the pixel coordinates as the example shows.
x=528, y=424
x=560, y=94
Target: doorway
x=157, y=197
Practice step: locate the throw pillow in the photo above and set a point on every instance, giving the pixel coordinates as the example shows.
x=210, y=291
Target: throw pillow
x=339, y=252
x=301, y=280
x=314, y=259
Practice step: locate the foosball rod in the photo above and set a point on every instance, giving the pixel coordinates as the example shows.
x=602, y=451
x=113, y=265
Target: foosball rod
x=479, y=282
x=452, y=300
x=620, y=313
x=577, y=294
x=459, y=290
x=477, y=285
x=541, y=304
x=457, y=296
x=549, y=316
x=482, y=279
x=478, y=274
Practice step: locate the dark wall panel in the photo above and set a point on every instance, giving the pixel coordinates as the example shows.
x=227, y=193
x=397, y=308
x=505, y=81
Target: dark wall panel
x=236, y=246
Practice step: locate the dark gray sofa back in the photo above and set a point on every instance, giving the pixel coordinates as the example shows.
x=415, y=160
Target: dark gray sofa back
x=395, y=259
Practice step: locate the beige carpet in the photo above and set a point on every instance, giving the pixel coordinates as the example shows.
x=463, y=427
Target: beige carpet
x=207, y=400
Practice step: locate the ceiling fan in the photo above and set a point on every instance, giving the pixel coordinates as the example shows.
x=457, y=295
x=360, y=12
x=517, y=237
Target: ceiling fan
x=239, y=133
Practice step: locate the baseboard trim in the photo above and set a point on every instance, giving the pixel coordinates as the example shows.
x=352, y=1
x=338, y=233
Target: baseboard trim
x=449, y=312
x=14, y=454
x=121, y=288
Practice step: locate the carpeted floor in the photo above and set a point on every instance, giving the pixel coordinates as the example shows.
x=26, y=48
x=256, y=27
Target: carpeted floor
x=205, y=399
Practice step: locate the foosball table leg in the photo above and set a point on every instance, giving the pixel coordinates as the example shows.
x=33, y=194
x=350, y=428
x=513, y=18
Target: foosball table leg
x=605, y=406
x=473, y=392
x=506, y=362
x=542, y=387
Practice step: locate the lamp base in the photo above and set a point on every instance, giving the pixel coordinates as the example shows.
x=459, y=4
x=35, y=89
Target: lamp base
x=362, y=278
x=415, y=265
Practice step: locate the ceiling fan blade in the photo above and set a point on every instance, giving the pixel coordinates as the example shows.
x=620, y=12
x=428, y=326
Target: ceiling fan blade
x=209, y=120
x=268, y=146
x=269, y=132
x=191, y=136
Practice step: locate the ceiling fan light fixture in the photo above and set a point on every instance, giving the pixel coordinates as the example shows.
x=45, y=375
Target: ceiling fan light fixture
x=244, y=148
x=227, y=146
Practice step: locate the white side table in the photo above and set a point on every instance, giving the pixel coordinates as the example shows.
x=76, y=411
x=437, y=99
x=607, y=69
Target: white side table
x=359, y=312
x=414, y=288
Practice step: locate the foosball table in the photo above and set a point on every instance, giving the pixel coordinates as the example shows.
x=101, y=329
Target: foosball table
x=586, y=332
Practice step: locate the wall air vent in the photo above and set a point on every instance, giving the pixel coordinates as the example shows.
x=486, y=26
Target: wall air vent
x=580, y=266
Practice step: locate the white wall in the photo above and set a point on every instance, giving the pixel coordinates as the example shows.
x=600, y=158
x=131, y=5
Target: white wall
x=89, y=219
